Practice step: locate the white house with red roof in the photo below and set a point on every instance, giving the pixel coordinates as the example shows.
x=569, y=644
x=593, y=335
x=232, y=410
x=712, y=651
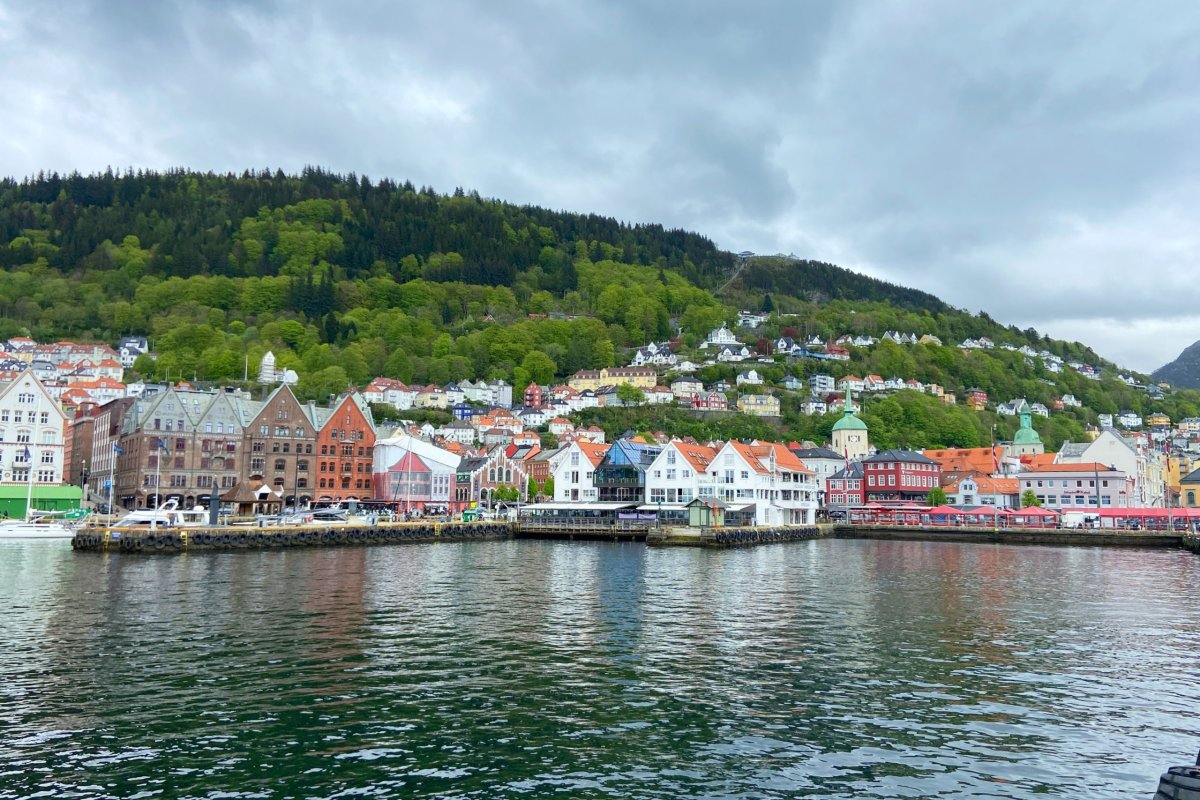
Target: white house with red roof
x=389, y=392
x=574, y=474
x=560, y=426
x=768, y=476
x=680, y=474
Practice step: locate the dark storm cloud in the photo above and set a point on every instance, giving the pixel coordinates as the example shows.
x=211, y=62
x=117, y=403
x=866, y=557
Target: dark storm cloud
x=1032, y=160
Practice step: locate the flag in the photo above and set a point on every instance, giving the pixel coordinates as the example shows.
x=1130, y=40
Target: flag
x=118, y=449
x=160, y=444
x=28, y=455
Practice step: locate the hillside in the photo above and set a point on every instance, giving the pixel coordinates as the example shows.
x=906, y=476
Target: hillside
x=345, y=279
x=1184, y=371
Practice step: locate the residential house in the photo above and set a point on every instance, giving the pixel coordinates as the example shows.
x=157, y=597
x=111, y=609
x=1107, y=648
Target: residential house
x=574, y=474
x=976, y=399
x=814, y=405
x=822, y=384
x=844, y=488
x=679, y=474
x=984, y=490
x=719, y=337
x=750, y=378
x=768, y=477
x=732, y=353
x=759, y=405
x=710, y=401
x=824, y=463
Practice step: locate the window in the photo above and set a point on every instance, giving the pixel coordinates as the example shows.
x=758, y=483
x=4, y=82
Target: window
x=258, y=464
x=280, y=465
x=179, y=462
x=299, y=433
x=45, y=417
x=45, y=476
x=180, y=444
x=4, y=415
x=208, y=427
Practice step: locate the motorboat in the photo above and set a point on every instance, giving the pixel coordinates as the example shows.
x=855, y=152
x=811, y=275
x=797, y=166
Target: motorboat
x=167, y=515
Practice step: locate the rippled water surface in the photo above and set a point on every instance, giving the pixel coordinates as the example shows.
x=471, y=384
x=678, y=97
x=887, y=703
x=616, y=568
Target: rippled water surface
x=529, y=670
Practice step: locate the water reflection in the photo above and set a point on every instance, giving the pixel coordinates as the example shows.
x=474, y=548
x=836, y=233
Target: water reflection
x=521, y=669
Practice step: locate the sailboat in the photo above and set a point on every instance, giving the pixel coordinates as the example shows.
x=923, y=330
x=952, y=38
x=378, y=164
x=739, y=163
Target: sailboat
x=34, y=526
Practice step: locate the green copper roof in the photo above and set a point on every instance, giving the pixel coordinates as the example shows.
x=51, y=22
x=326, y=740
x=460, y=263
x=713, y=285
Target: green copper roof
x=849, y=422
x=1027, y=436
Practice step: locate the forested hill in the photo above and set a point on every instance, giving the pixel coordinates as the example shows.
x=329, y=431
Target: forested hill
x=817, y=281
x=345, y=279
x=194, y=224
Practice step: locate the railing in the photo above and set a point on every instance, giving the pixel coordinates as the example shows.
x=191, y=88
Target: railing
x=586, y=523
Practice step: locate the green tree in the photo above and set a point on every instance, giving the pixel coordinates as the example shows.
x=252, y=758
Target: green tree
x=630, y=395
x=1029, y=499
x=936, y=497
x=548, y=487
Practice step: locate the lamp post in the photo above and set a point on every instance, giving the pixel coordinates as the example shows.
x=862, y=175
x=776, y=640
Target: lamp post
x=83, y=479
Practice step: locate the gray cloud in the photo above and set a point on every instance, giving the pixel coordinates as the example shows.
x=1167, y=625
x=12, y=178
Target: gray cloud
x=1032, y=161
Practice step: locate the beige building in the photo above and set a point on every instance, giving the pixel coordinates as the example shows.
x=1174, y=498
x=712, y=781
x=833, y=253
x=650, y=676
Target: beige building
x=641, y=377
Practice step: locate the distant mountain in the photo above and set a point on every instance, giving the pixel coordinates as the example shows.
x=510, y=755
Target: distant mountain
x=1184, y=371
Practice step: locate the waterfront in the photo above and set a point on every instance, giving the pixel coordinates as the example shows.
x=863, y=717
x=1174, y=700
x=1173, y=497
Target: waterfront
x=531, y=669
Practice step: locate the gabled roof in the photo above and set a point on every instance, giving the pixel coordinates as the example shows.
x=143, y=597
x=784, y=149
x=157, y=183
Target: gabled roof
x=906, y=456
x=697, y=456
x=1090, y=466
x=817, y=452
x=759, y=455
x=592, y=452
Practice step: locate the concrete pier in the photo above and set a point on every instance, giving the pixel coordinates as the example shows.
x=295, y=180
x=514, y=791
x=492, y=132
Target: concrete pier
x=141, y=539
x=1085, y=537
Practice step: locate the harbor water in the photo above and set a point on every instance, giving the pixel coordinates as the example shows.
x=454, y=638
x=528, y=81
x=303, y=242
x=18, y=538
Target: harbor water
x=520, y=669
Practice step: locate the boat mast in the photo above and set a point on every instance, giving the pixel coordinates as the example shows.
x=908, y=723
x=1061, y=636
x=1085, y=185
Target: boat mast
x=29, y=461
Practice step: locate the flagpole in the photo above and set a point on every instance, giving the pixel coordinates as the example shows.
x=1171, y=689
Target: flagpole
x=112, y=469
x=29, y=461
x=157, y=488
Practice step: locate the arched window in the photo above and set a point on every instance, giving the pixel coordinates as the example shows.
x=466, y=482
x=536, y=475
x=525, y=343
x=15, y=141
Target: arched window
x=280, y=465
x=1191, y=499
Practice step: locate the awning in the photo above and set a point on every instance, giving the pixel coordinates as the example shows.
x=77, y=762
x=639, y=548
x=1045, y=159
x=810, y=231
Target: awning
x=663, y=507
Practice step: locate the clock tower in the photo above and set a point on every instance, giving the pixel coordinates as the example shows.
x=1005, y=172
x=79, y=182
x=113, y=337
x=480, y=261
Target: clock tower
x=850, y=434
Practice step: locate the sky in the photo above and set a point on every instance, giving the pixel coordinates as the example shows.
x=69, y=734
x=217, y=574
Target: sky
x=1037, y=161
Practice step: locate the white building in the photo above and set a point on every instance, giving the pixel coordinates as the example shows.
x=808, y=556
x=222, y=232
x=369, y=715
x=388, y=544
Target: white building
x=31, y=433
x=719, y=337
x=574, y=474
x=768, y=476
x=680, y=474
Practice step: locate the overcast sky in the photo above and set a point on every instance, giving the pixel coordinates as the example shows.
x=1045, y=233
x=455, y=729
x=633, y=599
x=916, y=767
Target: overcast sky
x=1035, y=160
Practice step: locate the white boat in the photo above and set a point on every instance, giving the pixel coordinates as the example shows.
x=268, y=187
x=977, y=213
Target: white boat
x=43, y=528
x=168, y=515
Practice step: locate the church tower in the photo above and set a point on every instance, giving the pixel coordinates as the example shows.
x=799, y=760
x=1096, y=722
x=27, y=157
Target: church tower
x=1027, y=441
x=849, y=436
